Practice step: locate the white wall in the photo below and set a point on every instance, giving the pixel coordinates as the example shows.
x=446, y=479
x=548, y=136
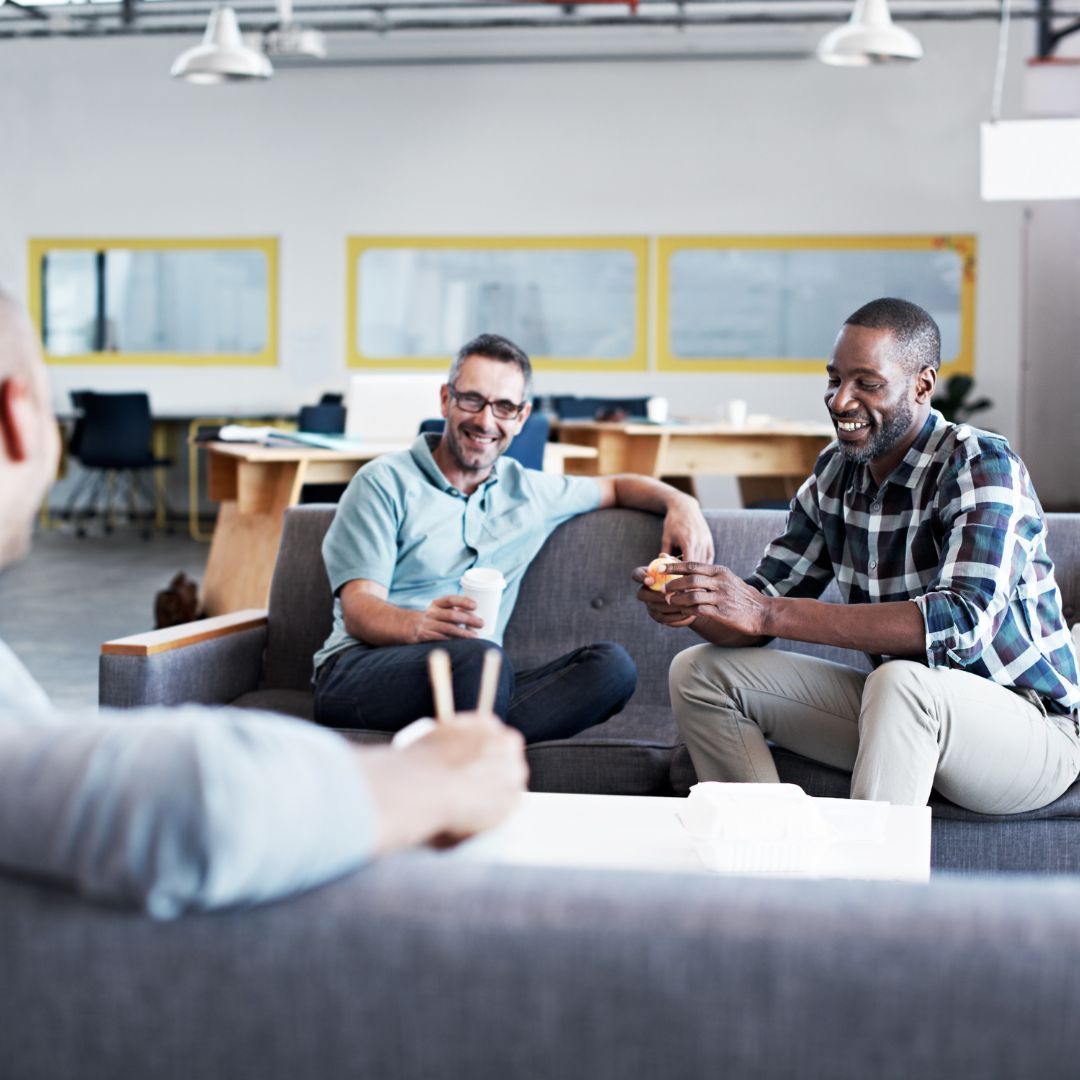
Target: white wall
x=95, y=139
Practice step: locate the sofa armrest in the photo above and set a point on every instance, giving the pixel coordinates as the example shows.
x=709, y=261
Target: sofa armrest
x=211, y=662
x=179, y=637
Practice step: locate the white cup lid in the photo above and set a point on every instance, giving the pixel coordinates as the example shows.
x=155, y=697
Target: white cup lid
x=483, y=577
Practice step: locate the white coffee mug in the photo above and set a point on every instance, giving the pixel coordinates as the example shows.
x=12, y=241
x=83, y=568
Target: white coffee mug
x=484, y=585
x=656, y=409
x=736, y=412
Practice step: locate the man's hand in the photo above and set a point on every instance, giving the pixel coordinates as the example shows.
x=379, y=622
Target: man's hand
x=716, y=593
x=484, y=771
x=686, y=531
x=445, y=618
x=656, y=603
x=465, y=776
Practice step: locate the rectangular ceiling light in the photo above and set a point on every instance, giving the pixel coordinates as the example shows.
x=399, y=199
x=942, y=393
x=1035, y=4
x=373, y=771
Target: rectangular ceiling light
x=1031, y=159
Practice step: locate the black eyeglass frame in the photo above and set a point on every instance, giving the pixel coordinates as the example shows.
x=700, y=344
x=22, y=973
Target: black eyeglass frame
x=511, y=409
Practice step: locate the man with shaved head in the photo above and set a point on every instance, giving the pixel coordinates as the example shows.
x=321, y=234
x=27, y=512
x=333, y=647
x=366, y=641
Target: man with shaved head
x=937, y=542
x=190, y=808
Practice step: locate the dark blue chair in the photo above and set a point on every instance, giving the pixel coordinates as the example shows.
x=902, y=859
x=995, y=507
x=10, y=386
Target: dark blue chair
x=112, y=441
x=322, y=419
x=527, y=447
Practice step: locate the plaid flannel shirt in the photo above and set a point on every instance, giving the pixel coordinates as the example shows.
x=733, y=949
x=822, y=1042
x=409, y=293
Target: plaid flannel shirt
x=958, y=530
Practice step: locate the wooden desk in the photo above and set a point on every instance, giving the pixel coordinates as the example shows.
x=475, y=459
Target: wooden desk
x=771, y=461
x=256, y=484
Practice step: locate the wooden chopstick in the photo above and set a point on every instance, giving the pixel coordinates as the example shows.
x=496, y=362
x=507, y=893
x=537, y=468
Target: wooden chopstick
x=489, y=681
x=442, y=686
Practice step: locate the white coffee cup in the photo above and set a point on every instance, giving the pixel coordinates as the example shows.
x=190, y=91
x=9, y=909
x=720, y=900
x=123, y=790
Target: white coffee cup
x=736, y=412
x=485, y=585
x=656, y=409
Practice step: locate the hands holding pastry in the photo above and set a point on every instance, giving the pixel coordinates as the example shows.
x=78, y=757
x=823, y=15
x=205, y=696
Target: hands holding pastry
x=678, y=593
x=652, y=579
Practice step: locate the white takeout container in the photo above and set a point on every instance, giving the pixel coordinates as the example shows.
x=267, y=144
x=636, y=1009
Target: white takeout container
x=756, y=828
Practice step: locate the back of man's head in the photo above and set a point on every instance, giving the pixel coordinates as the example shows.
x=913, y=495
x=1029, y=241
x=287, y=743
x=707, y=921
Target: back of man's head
x=917, y=335
x=494, y=347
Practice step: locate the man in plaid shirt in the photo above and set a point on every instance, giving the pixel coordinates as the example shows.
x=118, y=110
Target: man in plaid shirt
x=936, y=540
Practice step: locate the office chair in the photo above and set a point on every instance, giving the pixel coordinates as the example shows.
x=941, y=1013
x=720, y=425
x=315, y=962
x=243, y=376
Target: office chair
x=111, y=440
x=326, y=418
x=527, y=447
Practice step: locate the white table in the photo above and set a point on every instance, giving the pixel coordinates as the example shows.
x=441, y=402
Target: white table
x=631, y=832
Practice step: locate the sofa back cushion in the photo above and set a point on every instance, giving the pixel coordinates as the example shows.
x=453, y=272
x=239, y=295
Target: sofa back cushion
x=1063, y=544
x=301, y=604
x=578, y=590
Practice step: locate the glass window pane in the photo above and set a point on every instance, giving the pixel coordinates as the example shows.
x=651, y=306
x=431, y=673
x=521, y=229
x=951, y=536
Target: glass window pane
x=424, y=302
x=70, y=302
x=157, y=301
x=776, y=303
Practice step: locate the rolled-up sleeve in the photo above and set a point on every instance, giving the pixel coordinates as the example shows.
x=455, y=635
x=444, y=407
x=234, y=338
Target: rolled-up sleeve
x=990, y=527
x=190, y=809
x=362, y=539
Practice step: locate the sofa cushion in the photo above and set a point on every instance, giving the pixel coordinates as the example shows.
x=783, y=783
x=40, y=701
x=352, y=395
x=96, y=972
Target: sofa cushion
x=299, y=703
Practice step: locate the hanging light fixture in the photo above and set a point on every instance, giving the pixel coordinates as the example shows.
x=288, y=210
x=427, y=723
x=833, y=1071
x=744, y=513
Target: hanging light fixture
x=869, y=37
x=222, y=56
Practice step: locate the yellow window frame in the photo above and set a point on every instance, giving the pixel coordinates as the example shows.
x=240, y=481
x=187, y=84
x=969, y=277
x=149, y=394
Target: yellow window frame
x=638, y=246
x=37, y=247
x=964, y=245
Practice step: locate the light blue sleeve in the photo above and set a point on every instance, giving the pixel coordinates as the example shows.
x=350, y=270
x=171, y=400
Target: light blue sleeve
x=362, y=539
x=180, y=809
x=559, y=498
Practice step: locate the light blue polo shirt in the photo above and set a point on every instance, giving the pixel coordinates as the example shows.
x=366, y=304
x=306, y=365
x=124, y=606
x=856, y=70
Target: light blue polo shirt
x=402, y=524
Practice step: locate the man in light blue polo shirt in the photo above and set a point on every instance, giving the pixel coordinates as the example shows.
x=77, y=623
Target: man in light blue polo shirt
x=411, y=523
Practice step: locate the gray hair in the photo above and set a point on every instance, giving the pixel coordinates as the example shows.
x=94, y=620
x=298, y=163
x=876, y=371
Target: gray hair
x=493, y=347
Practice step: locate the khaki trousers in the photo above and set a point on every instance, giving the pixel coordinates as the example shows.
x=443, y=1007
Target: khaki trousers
x=900, y=730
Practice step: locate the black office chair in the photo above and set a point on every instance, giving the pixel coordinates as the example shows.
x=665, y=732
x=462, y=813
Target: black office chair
x=111, y=440
x=528, y=445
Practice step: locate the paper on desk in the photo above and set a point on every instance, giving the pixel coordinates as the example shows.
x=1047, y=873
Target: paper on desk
x=756, y=828
x=248, y=433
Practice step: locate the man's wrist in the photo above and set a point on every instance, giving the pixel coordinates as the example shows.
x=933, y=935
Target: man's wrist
x=677, y=500
x=773, y=609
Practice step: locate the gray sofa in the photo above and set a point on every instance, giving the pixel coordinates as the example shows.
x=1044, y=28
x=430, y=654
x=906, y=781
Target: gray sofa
x=578, y=590
x=415, y=970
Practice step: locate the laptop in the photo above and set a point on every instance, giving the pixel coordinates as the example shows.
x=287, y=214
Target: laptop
x=388, y=408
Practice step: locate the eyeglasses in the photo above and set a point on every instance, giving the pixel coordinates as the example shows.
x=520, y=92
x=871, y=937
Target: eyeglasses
x=477, y=403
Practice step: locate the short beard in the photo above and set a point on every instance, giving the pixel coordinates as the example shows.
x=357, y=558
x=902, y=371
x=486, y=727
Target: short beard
x=884, y=439
x=458, y=454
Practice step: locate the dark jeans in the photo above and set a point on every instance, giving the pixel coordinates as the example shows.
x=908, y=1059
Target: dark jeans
x=386, y=688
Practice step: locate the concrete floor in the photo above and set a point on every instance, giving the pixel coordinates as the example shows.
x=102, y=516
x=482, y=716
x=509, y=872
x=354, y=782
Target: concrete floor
x=70, y=595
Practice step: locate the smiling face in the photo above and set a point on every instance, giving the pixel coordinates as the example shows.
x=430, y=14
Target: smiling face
x=472, y=442
x=876, y=403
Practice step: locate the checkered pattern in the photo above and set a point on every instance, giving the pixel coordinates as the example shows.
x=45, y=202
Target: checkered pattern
x=958, y=529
